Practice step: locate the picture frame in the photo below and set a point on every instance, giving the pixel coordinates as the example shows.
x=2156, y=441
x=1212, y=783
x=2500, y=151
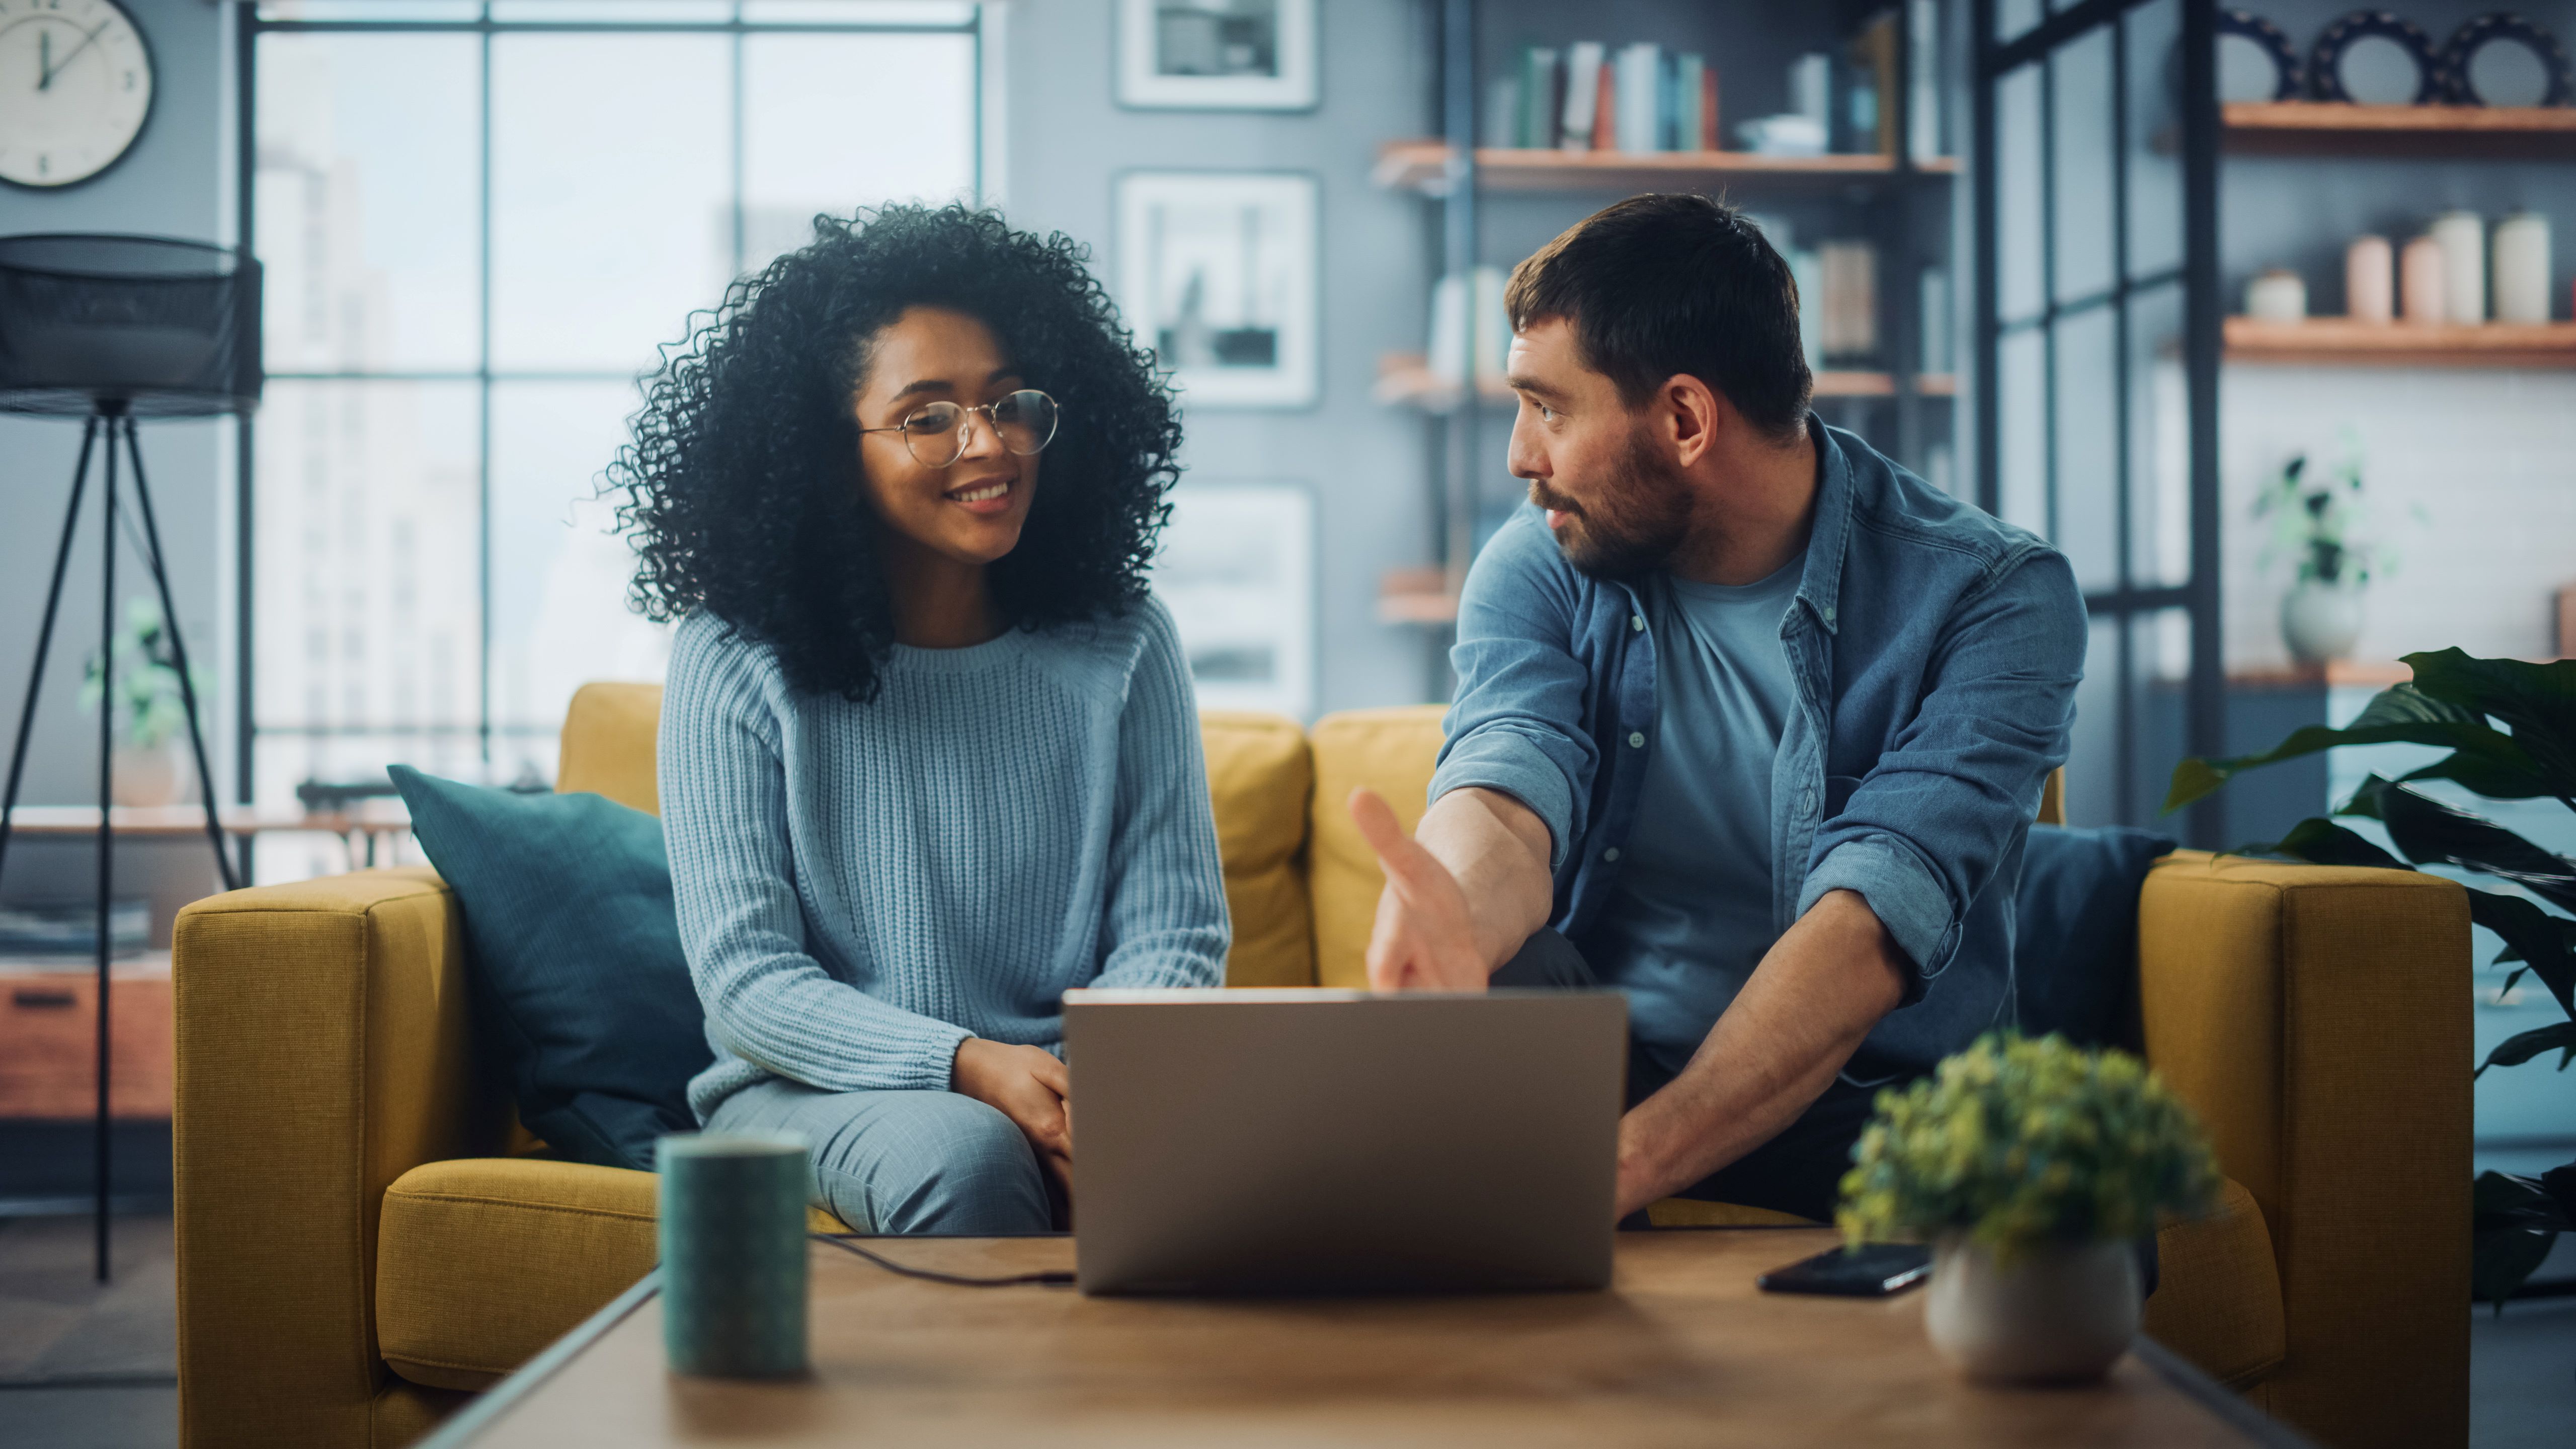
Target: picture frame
x=1217, y=55
x=1217, y=276
x=1237, y=569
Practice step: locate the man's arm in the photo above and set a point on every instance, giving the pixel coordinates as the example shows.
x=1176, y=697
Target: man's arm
x=1462, y=893
x=1803, y=1012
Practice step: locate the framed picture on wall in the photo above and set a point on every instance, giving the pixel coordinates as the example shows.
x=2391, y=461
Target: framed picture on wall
x=1216, y=274
x=1217, y=55
x=1237, y=570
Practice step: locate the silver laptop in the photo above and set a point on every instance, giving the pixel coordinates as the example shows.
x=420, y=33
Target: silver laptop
x=1342, y=1141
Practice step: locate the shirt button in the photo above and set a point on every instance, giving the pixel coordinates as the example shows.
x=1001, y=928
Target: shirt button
x=1611, y=854
x=1829, y=613
x=1636, y=740
x=1636, y=622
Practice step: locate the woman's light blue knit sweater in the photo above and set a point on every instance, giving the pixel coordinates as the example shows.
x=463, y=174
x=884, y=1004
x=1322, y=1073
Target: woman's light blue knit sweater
x=863, y=886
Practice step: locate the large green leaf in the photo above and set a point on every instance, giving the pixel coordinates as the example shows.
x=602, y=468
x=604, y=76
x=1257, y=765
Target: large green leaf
x=2546, y=944
x=2429, y=832
x=2536, y=701
x=2322, y=842
x=2513, y=1051
x=2514, y=1221
x=2483, y=758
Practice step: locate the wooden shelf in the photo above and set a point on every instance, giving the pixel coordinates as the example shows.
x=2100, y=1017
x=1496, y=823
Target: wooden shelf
x=2342, y=341
x=1404, y=380
x=1424, y=166
x=1416, y=596
x=2321, y=128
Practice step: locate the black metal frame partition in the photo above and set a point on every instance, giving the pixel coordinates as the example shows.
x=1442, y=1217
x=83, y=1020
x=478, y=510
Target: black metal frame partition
x=2195, y=139
x=250, y=27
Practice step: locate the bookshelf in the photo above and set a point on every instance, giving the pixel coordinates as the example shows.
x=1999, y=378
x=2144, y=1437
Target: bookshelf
x=1423, y=166
x=1404, y=379
x=2338, y=128
x=2340, y=340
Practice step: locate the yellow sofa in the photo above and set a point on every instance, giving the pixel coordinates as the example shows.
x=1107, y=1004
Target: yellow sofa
x=365, y=1238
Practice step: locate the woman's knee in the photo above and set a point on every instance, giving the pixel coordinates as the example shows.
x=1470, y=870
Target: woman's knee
x=963, y=1168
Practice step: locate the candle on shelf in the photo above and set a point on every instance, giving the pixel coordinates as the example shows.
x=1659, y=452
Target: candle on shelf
x=2369, y=280
x=2463, y=239
x=2278, y=295
x=2522, y=268
x=2419, y=282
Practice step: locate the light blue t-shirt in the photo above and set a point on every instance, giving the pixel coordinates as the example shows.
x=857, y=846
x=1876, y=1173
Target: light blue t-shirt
x=1692, y=913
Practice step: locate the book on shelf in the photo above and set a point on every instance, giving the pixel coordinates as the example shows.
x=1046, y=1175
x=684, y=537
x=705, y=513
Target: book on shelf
x=1937, y=346
x=1923, y=80
x=1581, y=86
x=1848, y=271
x=1470, y=335
x=1587, y=97
x=1871, y=87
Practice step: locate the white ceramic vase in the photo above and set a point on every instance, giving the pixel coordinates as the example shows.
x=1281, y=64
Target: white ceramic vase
x=2052, y=1314
x=2321, y=621
x=148, y=775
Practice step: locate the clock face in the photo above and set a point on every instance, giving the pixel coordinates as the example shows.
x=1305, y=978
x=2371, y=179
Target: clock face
x=75, y=85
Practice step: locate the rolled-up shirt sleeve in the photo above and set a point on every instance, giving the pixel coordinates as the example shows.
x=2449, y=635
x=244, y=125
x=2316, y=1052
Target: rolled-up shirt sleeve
x=1928, y=827
x=1520, y=690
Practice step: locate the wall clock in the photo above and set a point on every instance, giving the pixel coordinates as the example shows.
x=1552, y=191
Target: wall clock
x=75, y=88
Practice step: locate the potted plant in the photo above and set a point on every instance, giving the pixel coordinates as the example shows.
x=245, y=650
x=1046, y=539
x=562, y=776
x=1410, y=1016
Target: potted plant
x=2315, y=515
x=2510, y=728
x=149, y=713
x=2034, y=1168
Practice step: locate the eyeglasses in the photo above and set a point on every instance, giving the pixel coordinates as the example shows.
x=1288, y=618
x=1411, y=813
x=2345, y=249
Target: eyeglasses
x=936, y=433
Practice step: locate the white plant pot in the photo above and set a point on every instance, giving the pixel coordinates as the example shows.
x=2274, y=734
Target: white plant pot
x=149, y=775
x=2320, y=621
x=2053, y=1314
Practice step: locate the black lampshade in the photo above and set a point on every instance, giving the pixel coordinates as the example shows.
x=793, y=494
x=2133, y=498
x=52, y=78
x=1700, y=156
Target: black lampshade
x=148, y=325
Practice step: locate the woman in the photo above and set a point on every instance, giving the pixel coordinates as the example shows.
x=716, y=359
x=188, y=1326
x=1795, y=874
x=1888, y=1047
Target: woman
x=929, y=754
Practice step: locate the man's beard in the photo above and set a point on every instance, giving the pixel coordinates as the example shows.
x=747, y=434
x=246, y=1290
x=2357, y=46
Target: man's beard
x=1638, y=517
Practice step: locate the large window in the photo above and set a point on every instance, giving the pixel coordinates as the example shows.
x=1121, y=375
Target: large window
x=479, y=219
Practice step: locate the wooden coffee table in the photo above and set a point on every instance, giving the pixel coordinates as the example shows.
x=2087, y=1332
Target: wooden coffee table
x=1683, y=1350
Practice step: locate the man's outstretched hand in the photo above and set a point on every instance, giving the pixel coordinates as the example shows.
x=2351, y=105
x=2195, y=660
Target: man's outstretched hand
x=1424, y=939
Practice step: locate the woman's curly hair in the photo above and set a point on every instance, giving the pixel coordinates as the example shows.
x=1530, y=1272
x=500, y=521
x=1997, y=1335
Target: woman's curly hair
x=742, y=484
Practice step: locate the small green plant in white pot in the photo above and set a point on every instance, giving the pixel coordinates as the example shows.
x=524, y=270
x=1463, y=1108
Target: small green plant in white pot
x=2318, y=516
x=2034, y=1168
x=150, y=767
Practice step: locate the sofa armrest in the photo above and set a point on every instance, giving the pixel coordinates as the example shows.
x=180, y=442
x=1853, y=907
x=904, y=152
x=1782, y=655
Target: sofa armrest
x=322, y=1051
x=2317, y=1019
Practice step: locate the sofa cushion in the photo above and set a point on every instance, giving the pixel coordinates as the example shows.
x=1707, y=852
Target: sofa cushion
x=481, y=1262
x=2218, y=1292
x=1260, y=774
x=574, y=959
x=609, y=734
x=2075, y=932
x=1391, y=751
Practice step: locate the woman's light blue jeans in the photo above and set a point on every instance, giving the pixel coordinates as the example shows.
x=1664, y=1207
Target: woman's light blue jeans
x=903, y=1162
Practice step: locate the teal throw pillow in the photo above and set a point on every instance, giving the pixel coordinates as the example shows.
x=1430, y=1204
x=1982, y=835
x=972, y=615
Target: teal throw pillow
x=573, y=951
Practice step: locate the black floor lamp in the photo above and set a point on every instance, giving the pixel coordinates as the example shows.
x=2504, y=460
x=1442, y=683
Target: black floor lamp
x=111, y=329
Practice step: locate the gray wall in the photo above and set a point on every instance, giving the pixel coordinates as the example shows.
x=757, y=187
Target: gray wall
x=170, y=184
x=1067, y=141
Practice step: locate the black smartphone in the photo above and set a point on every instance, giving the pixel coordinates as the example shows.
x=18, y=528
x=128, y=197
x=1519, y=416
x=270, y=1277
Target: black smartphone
x=1872, y=1270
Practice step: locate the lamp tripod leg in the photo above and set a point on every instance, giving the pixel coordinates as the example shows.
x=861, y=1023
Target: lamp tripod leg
x=45, y=637
x=178, y=654
x=106, y=820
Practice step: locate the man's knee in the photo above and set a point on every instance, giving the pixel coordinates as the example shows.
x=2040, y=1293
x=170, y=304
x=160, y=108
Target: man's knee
x=1546, y=960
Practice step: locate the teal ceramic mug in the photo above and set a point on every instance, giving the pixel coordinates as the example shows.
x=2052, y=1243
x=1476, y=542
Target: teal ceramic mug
x=733, y=1253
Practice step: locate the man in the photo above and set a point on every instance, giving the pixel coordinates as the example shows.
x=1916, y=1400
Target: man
x=1756, y=720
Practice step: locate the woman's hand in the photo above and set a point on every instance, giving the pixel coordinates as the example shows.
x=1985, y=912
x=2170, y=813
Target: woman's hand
x=1028, y=1085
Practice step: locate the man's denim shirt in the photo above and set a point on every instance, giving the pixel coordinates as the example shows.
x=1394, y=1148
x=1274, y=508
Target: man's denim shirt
x=1936, y=651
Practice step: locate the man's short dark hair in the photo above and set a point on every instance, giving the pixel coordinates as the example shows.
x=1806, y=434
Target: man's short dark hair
x=1659, y=285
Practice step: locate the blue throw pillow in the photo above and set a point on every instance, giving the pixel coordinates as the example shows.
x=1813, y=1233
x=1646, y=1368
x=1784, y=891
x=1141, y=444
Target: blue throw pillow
x=573, y=951
x=2075, y=932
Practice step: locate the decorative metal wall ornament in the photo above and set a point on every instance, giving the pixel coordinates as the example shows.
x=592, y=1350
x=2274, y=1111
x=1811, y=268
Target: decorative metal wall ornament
x=2501, y=59
x=2367, y=56
x=2254, y=33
